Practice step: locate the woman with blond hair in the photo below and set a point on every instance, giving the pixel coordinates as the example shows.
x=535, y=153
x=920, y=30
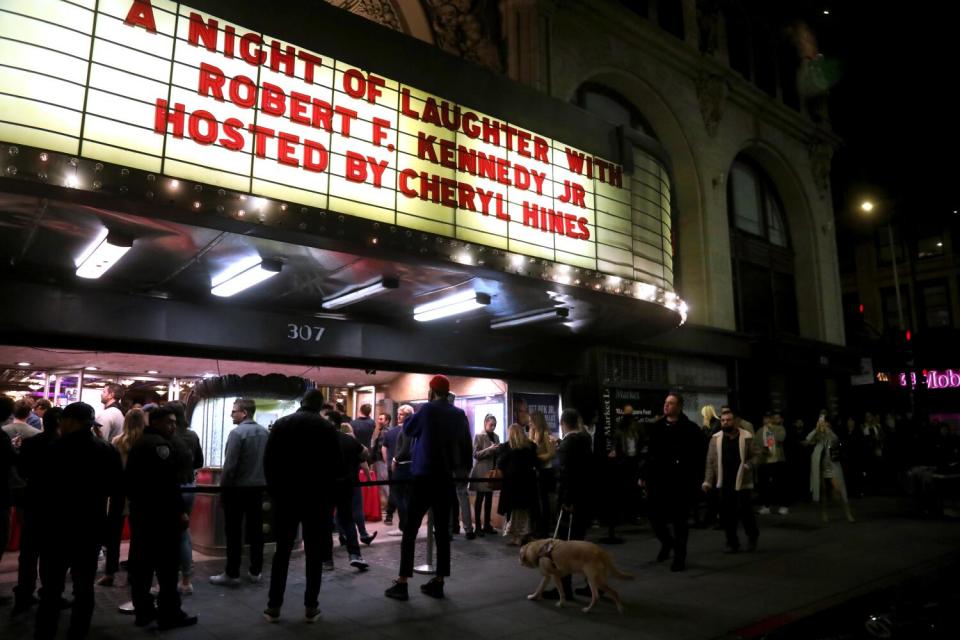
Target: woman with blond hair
x=546, y=476
x=825, y=468
x=517, y=460
x=711, y=421
x=133, y=423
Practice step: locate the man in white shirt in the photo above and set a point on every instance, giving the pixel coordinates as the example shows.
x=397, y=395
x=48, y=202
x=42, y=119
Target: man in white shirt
x=110, y=417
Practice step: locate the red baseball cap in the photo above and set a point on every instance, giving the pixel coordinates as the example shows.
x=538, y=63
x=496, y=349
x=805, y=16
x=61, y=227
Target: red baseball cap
x=440, y=384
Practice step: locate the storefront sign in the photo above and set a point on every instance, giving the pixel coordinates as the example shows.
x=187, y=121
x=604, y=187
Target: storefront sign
x=525, y=404
x=164, y=88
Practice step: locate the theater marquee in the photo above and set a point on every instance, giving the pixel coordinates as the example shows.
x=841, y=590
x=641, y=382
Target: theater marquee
x=164, y=88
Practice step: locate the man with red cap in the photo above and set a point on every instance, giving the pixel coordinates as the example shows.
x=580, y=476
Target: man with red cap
x=442, y=445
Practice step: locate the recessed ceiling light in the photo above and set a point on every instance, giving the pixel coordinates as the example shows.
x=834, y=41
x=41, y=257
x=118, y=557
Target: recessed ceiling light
x=24, y=364
x=152, y=371
x=90, y=368
x=351, y=384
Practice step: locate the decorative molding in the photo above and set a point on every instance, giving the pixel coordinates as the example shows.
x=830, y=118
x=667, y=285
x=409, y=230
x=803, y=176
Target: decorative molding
x=468, y=29
x=712, y=92
x=821, y=158
x=383, y=12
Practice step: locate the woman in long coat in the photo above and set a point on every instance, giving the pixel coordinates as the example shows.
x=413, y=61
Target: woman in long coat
x=519, y=499
x=825, y=471
x=485, y=448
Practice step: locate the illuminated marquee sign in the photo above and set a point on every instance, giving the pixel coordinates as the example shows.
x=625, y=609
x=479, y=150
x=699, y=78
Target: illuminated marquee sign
x=164, y=88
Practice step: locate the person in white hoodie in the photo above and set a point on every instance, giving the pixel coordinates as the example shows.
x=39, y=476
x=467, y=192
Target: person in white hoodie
x=731, y=457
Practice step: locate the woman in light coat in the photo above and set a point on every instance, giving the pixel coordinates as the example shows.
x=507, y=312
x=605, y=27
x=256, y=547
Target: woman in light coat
x=824, y=470
x=485, y=447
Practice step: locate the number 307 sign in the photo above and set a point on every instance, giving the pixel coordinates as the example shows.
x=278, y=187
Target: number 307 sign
x=304, y=332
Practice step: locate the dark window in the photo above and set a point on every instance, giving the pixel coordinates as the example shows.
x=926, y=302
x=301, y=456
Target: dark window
x=765, y=61
x=639, y=7
x=929, y=241
x=789, y=65
x=935, y=303
x=670, y=16
x=612, y=107
x=755, y=205
x=764, y=284
x=882, y=240
x=888, y=297
x=852, y=318
x=738, y=44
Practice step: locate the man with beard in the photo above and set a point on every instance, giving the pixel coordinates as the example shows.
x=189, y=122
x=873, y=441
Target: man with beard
x=730, y=460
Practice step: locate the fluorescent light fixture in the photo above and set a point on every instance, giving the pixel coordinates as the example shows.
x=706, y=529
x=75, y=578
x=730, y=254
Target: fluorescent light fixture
x=153, y=372
x=461, y=302
x=101, y=254
x=24, y=364
x=243, y=274
x=360, y=293
x=531, y=317
x=90, y=368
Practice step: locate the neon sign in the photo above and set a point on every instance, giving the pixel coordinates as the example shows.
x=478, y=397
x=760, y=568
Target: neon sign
x=931, y=379
x=158, y=86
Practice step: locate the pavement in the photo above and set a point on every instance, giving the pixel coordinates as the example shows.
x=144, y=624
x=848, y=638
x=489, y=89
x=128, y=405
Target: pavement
x=802, y=567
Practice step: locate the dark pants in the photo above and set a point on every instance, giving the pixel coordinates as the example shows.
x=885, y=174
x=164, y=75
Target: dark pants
x=359, y=517
x=29, y=555
x=4, y=528
x=314, y=516
x=773, y=484
x=484, y=498
x=154, y=549
x=346, y=521
x=114, y=534
x=391, y=497
x=736, y=507
x=401, y=492
x=667, y=510
x=428, y=493
x=546, y=487
x=56, y=558
x=239, y=505
x=577, y=523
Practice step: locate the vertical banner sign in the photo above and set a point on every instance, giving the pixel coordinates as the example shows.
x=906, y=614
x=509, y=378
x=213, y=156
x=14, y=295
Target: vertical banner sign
x=158, y=86
x=548, y=404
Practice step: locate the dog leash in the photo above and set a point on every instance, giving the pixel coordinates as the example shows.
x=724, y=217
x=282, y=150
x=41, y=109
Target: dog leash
x=569, y=525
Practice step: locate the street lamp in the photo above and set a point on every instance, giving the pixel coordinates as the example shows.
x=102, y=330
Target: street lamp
x=867, y=207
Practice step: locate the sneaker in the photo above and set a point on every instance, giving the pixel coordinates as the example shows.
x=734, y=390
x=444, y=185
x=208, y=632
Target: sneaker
x=223, y=580
x=358, y=563
x=311, y=614
x=764, y=511
x=432, y=588
x=181, y=620
x=271, y=614
x=398, y=591
x=471, y=535
x=368, y=540
x=783, y=511
x=254, y=578
x=328, y=565
x=105, y=581
x=185, y=589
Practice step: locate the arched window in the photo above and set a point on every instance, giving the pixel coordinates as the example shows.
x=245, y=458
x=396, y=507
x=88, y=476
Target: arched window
x=634, y=241
x=762, y=261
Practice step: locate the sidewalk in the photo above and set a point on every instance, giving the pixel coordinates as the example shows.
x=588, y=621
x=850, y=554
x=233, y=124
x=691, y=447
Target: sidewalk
x=800, y=567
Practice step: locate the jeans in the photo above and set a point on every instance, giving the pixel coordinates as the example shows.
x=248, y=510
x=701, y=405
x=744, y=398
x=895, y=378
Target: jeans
x=186, y=543
x=401, y=492
x=736, y=507
x=346, y=522
x=462, y=496
x=428, y=493
x=239, y=505
x=380, y=468
x=56, y=558
x=314, y=517
x=358, y=516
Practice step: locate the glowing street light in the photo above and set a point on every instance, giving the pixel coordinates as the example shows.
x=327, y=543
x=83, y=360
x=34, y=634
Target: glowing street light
x=866, y=206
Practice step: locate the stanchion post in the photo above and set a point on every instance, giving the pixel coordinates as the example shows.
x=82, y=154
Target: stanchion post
x=428, y=568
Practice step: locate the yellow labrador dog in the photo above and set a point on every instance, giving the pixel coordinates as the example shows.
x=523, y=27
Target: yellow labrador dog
x=560, y=558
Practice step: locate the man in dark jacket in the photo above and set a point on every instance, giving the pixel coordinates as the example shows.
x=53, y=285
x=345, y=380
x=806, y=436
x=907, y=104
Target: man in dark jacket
x=158, y=516
x=440, y=449
x=73, y=479
x=7, y=457
x=302, y=464
x=32, y=453
x=671, y=475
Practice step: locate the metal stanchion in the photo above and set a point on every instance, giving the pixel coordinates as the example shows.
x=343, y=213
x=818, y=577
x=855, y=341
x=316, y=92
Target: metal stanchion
x=428, y=568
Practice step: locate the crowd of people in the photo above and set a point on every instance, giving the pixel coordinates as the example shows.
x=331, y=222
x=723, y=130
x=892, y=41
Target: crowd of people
x=140, y=465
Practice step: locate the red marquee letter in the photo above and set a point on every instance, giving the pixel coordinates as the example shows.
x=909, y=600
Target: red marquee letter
x=141, y=15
